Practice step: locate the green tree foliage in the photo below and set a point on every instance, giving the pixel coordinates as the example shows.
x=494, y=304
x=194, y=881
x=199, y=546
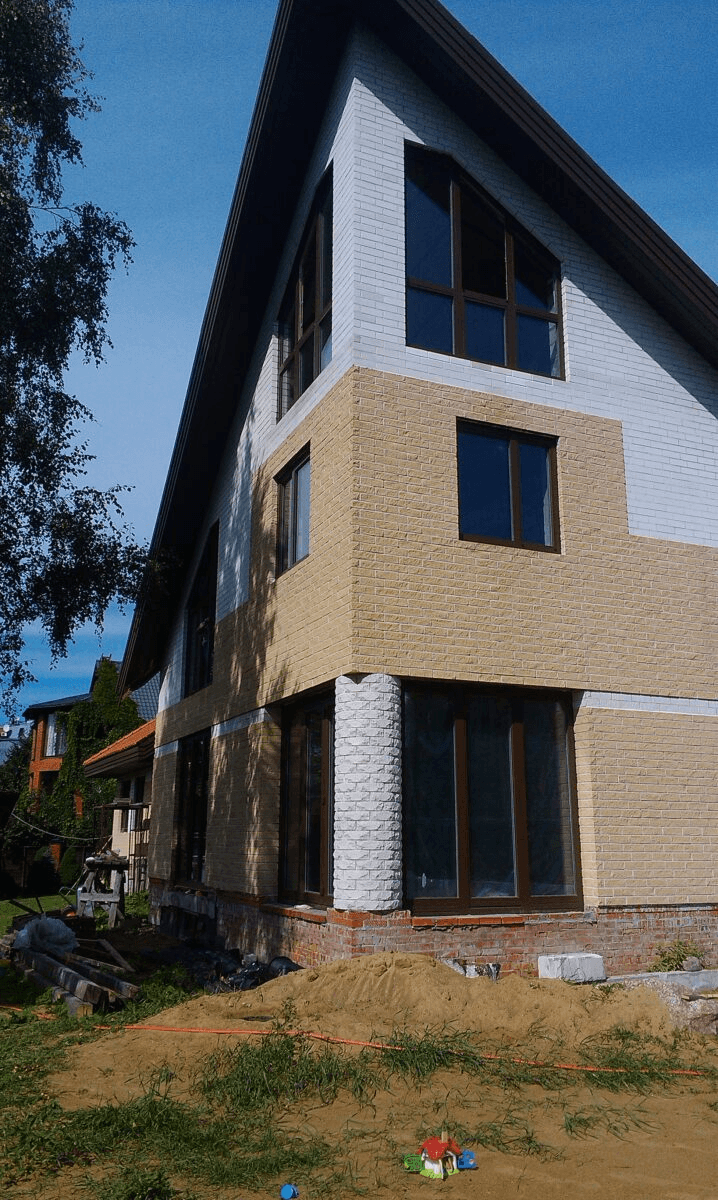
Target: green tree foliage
x=14, y=770
x=64, y=552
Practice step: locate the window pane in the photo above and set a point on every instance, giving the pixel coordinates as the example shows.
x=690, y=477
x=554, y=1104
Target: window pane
x=301, y=512
x=483, y=253
x=325, y=342
x=306, y=364
x=493, y=864
x=537, y=345
x=431, y=847
x=308, y=283
x=484, y=486
x=429, y=321
x=286, y=389
x=485, y=338
x=536, y=521
x=313, y=813
x=326, y=269
x=428, y=221
x=548, y=799
x=535, y=280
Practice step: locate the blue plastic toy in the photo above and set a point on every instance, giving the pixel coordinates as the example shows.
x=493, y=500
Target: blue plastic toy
x=288, y=1191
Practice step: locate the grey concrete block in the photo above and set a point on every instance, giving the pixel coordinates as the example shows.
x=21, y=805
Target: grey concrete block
x=574, y=968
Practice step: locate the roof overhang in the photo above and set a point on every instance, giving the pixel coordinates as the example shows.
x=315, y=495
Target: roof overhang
x=129, y=755
x=304, y=54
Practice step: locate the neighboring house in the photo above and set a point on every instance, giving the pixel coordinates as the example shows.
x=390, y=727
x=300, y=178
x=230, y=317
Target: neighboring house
x=438, y=630
x=12, y=736
x=49, y=739
x=129, y=761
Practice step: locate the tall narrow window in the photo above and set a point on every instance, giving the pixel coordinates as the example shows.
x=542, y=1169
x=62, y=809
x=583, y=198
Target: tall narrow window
x=293, y=516
x=307, y=809
x=489, y=809
x=201, y=612
x=305, y=318
x=193, y=784
x=507, y=487
x=477, y=285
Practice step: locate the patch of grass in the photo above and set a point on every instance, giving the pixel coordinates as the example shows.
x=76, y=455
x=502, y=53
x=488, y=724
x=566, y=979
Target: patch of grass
x=671, y=956
x=134, y=1183
x=589, y=1121
x=8, y=911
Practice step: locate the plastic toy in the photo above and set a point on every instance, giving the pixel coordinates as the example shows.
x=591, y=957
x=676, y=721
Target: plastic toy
x=288, y=1191
x=439, y=1157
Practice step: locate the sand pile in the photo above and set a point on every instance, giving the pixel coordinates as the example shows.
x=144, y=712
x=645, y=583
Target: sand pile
x=359, y=999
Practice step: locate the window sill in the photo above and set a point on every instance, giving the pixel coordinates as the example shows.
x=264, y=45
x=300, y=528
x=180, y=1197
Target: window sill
x=453, y=921
x=300, y=912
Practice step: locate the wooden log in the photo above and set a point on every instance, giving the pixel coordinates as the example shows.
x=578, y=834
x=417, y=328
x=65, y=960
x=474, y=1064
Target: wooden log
x=70, y=980
x=128, y=991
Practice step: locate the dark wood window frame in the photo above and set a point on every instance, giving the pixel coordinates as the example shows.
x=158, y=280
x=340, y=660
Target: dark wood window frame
x=523, y=901
x=516, y=438
x=306, y=826
x=305, y=318
x=461, y=184
x=293, y=492
x=200, y=618
x=192, y=807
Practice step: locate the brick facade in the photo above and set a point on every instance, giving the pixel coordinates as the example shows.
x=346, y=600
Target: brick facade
x=622, y=619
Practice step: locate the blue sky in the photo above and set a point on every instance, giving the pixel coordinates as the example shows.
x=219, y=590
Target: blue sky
x=634, y=83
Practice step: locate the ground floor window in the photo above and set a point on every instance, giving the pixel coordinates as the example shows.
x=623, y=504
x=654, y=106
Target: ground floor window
x=193, y=784
x=306, y=874
x=489, y=810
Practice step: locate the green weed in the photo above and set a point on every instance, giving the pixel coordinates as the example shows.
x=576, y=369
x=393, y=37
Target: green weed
x=671, y=956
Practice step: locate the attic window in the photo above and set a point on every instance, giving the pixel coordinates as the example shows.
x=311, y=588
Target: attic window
x=477, y=285
x=305, y=318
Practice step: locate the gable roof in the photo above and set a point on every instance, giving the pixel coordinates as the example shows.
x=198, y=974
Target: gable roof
x=305, y=51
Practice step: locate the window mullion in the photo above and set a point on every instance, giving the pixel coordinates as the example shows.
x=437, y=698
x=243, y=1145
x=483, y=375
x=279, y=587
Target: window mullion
x=518, y=778
x=463, y=837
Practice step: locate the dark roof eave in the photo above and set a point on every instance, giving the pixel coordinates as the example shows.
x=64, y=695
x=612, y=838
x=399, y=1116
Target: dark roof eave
x=305, y=50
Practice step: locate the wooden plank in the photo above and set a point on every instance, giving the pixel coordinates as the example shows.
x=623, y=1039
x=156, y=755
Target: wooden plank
x=128, y=991
x=115, y=954
x=70, y=980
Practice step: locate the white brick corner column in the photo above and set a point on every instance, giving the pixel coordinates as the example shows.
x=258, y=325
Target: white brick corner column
x=367, y=793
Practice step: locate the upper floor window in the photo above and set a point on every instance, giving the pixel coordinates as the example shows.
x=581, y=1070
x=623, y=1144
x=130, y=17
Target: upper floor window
x=293, y=523
x=507, y=487
x=477, y=285
x=55, y=735
x=201, y=610
x=305, y=318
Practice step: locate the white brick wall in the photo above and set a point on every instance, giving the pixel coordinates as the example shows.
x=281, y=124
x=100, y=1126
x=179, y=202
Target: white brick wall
x=367, y=793
x=622, y=360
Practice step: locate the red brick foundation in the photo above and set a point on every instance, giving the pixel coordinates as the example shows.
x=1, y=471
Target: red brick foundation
x=627, y=938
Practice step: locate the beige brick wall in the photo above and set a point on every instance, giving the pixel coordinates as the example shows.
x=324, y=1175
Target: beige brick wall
x=648, y=807
x=243, y=815
x=161, y=847
x=389, y=587
x=612, y=612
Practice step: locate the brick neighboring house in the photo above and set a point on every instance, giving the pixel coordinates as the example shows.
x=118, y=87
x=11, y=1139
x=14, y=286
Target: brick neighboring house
x=438, y=643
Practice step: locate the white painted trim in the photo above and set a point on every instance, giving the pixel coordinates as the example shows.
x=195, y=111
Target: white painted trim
x=679, y=705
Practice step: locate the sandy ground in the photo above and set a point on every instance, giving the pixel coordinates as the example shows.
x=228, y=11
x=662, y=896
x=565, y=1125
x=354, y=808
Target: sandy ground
x=664, y=1145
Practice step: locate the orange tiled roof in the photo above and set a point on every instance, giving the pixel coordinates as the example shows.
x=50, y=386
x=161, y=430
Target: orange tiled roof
x=124, y=743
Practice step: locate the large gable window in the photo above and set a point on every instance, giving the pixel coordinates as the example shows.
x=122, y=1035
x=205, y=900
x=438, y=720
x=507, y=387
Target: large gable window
x=490, y=816
x=305, y=318
x=477, y=285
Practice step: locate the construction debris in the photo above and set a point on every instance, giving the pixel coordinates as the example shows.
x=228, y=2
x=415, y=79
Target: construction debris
x=43, y=950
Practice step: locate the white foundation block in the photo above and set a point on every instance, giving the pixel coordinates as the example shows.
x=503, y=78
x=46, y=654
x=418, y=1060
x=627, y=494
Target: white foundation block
x=574, y=968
